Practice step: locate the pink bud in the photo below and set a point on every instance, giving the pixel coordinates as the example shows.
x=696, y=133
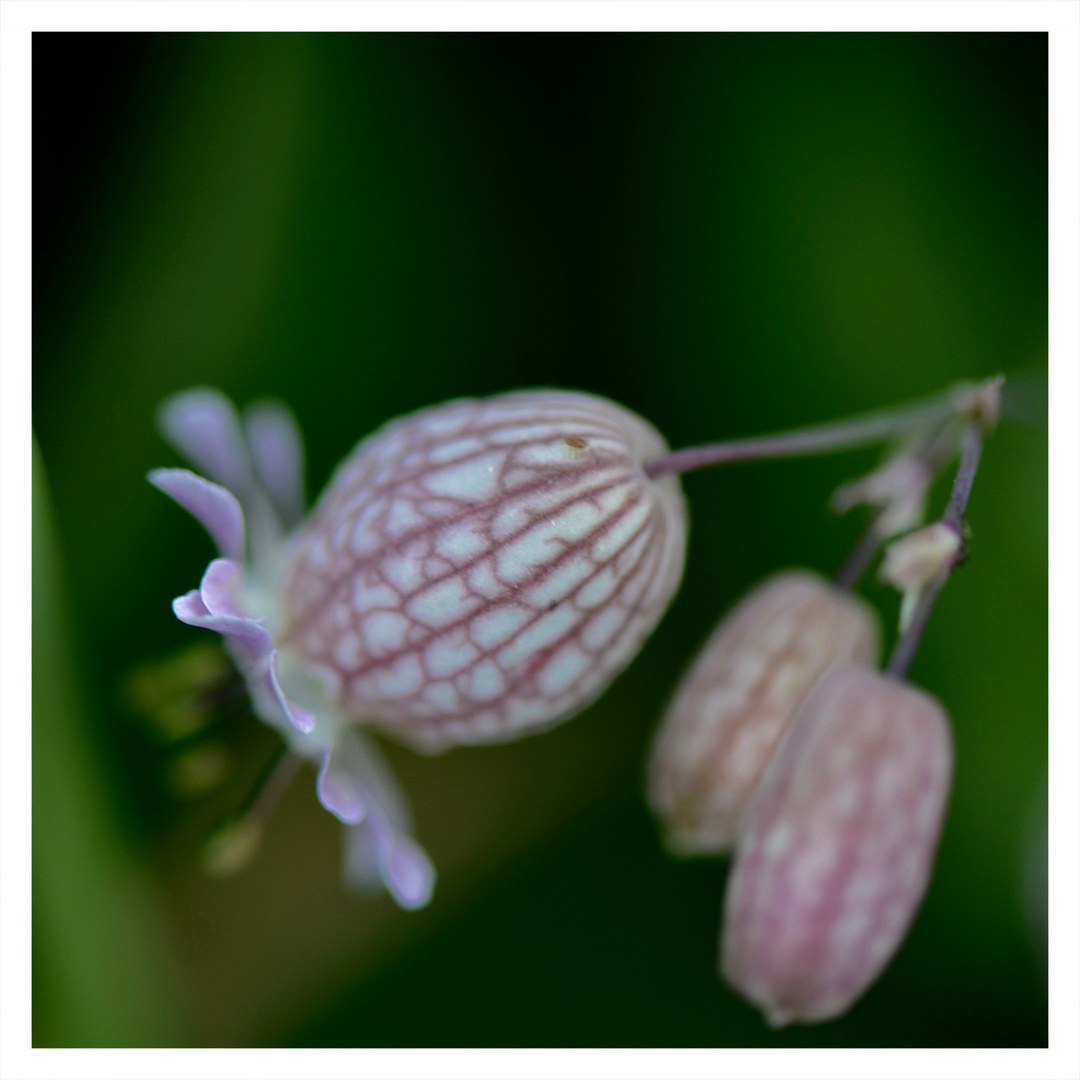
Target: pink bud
x=740, y=694
x=485, y=568
x=837, y=846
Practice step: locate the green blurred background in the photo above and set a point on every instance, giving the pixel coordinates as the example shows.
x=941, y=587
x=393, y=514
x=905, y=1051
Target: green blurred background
x=728, y=233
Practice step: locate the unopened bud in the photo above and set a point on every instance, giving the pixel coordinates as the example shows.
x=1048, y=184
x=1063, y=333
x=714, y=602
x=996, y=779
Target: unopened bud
x=915, y=560
x=737, y=699
x=898, y=488
x=484, y=569
x=837, y=846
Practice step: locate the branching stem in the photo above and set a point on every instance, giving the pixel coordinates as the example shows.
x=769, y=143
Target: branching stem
x=860, y=557
x=904, y=652
x=935, y=451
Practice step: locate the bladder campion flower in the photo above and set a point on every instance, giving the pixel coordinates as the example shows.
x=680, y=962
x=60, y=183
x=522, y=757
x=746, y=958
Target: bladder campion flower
x=474, y=572
x=837, y=846
x=738, y=697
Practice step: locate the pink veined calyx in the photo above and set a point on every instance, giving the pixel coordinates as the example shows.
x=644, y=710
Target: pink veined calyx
x=828, y=778
x=737, y=700
x=473, y=573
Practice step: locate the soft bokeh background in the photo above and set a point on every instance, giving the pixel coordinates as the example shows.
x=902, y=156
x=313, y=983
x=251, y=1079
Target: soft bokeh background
x=729, y=234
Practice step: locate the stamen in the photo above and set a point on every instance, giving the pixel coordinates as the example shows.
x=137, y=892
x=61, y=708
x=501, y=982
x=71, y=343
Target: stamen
x=272, y=789
x=234, y=843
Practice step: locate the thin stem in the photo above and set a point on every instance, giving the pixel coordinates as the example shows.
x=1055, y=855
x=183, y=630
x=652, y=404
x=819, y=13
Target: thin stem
x=970, y=452
x=273, y=787
x=821, y=439
x=904, y=652
x=861, y=555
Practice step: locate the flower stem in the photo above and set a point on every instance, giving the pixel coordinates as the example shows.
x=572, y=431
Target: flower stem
x=859, y=558
x=827, y=438
x=904, y=652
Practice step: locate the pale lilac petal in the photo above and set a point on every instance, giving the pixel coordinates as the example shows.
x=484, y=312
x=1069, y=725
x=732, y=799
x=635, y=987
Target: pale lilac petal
x=213, y=506
x=190, y=608
x=375, y=854
x=301, y=719
x=406, y=870
x=338, y=790
x=356, y=785
x=202, y=424
x=219, y=586
x=278, y=455
x=213, y=607
x=248, y=636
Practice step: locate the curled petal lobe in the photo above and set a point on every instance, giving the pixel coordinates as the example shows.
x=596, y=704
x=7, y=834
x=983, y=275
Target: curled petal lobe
x=216, y=509
x=203, y=426
x=837, y=846
x=214, y=606
x=248, y=639
x=220, y=585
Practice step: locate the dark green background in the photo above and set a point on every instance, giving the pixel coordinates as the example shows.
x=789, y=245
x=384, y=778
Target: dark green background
x=728, y=233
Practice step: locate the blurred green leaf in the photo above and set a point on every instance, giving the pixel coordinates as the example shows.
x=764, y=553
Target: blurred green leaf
x=728, y=233
x=99, y=961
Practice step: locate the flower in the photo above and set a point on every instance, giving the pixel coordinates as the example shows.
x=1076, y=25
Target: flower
x=258, y=482
x=737, y=699
x=837, y=845
x=473, y=573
